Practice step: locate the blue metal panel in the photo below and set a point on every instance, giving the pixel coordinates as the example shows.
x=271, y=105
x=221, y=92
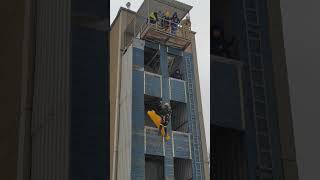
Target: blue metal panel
x=174, y=51
x=181, y=145
x=138, y=57
x=138, y=160
x=152, y=45
x=152, y=85
x=168, y=167
x=164, y=72
x=154, y=142
x=177, y=90
x=226, y=96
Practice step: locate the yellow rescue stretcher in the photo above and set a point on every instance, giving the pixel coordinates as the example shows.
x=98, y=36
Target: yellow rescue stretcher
x=156, y=119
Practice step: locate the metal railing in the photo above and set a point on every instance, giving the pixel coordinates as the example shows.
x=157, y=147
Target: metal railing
x=140, y=25
x=169, y=27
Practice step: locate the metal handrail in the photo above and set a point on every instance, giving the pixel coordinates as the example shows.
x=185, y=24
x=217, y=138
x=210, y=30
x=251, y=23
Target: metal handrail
x=159, y=25
x=139, y=24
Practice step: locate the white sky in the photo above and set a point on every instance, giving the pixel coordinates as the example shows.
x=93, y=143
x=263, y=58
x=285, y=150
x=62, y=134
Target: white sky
x=200, y=19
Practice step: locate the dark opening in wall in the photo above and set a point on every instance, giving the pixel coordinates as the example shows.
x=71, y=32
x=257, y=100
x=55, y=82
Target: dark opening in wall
x=154, y=167
x=226, y=17
x=179, y=119
x=182, y=169
x=175, y=63
x=152, y=60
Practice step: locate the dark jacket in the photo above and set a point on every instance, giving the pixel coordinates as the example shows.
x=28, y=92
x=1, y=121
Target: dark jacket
x=165, y=115
x=220, y=46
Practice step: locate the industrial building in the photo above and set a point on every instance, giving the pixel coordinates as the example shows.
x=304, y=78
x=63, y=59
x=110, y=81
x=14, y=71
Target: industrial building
x=54, y=90
x=251, y=123
x=143, y=57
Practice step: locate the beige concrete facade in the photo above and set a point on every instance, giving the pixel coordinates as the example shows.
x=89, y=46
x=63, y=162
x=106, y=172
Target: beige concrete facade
x=116, y=45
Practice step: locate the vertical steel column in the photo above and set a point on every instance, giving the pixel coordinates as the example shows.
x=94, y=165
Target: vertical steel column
x=168, y=159
x=137, y=156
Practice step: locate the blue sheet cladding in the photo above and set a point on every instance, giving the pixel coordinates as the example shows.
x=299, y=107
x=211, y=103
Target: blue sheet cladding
x=197, y=166
x=177, y=90
x=153, y=88
x=226, y=96
x=138, y=57
x=89, y=95
x=174, y=51
x=181, y=145
x=152, y=85
x=137, y=160
x=154, y=142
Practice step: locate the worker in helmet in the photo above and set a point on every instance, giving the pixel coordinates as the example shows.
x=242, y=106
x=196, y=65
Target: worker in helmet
x=177, y=74
x=186, y=23
x=220, y=46
x=160, y=14
x=165, y=21
x=165, y=113
x=153, y=17
x=174, y=23
x=186, y=27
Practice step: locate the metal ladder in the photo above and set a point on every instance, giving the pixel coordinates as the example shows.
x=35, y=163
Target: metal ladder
x=258, y=86
x=193, y=124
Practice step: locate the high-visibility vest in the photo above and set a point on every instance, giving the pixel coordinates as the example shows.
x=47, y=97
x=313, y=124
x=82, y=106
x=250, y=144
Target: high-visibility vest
x=152, y=16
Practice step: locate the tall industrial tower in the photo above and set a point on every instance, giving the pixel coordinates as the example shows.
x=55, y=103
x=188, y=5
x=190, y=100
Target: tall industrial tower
x=144, y=56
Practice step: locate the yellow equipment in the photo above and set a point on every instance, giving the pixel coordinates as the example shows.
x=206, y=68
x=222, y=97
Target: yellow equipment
x=152, y=16
x=167, y=14
x=156, y=119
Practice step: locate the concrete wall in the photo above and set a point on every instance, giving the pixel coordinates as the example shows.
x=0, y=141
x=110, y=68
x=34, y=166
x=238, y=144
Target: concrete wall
x=116, y=44
x=301, y=40
x=125, y=118
x=287, y=145
x=114, y=85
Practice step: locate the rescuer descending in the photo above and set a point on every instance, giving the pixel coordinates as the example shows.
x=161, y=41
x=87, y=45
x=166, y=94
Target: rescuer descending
x=165, y=113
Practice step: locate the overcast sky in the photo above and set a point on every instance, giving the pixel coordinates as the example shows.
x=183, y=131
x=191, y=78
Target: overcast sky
x=200, y=19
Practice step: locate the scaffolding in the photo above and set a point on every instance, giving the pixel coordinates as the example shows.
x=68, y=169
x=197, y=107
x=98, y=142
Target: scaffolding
x=164, y=30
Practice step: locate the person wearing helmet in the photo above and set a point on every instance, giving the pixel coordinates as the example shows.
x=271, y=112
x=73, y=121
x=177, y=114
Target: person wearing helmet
x=177, y=74
x=165, y=21
x=160, y=14
x=153, y=17
x=165, y=113
x=186, y=27
x=186, y=23
x=220, y=46
x=174, y=23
